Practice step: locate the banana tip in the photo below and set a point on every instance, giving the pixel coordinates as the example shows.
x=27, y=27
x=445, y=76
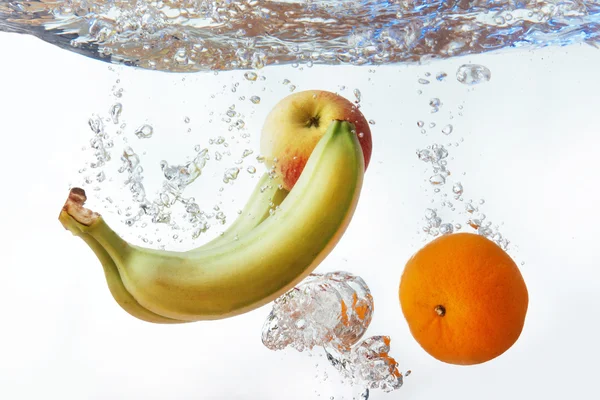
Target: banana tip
x=74, y=207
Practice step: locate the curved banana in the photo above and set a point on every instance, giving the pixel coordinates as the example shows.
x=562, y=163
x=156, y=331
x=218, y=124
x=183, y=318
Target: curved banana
x=237, y=276
x=265, y=197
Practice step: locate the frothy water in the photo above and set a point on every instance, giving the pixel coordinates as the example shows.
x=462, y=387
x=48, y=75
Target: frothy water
x=195, y=35
x=334, y=311
x=369, y=364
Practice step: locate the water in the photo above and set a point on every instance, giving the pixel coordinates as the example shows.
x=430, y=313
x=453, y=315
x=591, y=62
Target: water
x=184, y=35
x=334, y=311
x=369, y=365
x=331, y=310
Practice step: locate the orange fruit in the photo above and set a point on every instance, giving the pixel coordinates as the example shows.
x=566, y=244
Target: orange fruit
x=464, y=299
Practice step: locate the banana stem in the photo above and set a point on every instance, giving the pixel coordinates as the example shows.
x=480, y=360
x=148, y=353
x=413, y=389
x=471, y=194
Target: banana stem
x=84, y=223
x=87, y=225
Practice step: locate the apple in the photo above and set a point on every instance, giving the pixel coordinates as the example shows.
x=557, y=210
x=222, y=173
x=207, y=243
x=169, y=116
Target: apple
x=294, y=126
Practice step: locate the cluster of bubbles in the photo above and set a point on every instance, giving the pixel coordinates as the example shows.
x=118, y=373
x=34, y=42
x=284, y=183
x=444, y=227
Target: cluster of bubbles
x=333, y=311
x=169, y=206
x=436, y=156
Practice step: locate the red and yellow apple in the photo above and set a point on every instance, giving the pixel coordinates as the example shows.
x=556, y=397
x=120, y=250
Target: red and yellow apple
x=295, y=125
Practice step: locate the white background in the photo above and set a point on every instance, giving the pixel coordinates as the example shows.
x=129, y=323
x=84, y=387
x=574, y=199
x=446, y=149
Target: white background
x=530, y=150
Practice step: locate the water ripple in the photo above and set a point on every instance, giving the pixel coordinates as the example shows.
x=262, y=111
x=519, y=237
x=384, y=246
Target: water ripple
x=198, y=35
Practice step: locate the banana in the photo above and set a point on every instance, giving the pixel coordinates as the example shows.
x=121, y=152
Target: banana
x=265, y=197
x=111, y=273
x=231, y=277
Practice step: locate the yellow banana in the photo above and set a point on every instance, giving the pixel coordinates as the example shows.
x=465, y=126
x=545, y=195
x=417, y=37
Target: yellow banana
x=266, y=196
x=236, y=276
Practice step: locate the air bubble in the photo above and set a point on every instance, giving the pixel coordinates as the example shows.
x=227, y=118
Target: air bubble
x=457, y=189
x=144, y=132
x=181, y=57
x=231, y=174
x=470, y=208
x=96, y=125
x=446, y=229
x=115, y=112
x=437, y=179
x=251, y=76
x=473, y=74
x=430, y=213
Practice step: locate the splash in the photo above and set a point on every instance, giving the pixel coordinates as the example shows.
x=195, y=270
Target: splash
x=369, y=364
x=333, y=311
x=196, y=35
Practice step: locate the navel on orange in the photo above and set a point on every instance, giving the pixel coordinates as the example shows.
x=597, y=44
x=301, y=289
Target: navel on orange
x=464, y=299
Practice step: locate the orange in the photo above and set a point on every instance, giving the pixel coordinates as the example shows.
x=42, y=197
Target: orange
x=464, y=299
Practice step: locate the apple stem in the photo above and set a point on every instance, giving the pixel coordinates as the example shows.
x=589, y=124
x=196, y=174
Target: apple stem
x=313, y=121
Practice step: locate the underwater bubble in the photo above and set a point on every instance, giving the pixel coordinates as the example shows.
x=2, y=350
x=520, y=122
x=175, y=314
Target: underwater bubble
x=446, y=229
x=115, y=112
x=457, y=189
x=231, y=174
x=473, y=74
x=437, y=179
x=251, y=76
x=144, y=132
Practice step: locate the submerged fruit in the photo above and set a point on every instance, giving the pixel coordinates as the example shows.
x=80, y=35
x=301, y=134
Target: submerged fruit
x=297, y=123
x=464, y=299
x=261, y=257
